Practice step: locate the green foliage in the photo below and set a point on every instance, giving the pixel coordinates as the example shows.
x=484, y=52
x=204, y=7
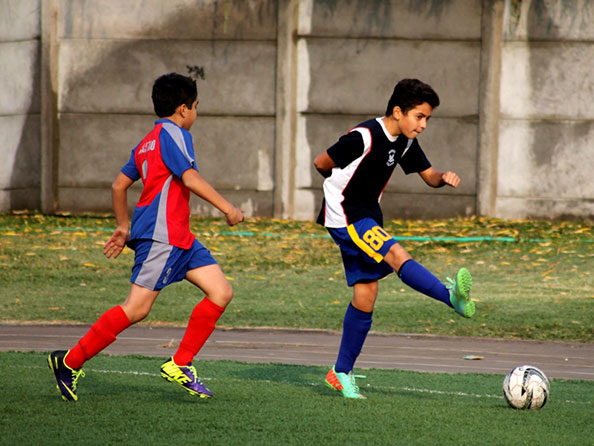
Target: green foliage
x=285, y=273
x=124, y=401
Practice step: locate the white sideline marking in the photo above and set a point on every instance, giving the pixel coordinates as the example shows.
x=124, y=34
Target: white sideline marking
x=442, y=392
x=312, y=384
x=125, y=372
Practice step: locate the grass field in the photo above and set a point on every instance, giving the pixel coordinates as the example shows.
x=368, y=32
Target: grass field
x=533, y=279
x=124, y=401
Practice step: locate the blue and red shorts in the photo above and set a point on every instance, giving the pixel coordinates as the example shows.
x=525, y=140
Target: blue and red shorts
x=157, y=264
x=363, y=246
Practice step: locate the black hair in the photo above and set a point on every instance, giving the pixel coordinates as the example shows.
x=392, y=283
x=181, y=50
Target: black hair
x=408, y=93
x=172, y=90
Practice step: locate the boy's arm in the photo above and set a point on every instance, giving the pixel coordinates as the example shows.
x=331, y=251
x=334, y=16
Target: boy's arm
x=115, y=244
x=434, y=178
x=194, y=181
x=324, y=164
x=348, y=148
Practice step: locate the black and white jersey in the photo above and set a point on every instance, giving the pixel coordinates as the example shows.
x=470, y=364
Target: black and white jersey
x=365, y=159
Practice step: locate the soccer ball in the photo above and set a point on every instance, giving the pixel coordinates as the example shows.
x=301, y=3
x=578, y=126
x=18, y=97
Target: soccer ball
x=526, y=387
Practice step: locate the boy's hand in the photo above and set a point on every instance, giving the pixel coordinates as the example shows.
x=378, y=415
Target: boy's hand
x=451, y=179
x=234, y=216
x=115, y=244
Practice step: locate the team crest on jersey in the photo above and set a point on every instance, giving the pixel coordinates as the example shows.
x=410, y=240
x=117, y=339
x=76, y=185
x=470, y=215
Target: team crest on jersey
x=391, y=158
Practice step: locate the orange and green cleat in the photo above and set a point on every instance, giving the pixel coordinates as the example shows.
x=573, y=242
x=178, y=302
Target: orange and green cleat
x=344, y=383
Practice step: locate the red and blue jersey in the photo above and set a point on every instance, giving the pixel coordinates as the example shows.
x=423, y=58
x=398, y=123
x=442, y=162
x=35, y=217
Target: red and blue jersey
x=163, y=210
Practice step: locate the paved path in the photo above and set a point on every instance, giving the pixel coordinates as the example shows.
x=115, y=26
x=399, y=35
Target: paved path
x=399, y=351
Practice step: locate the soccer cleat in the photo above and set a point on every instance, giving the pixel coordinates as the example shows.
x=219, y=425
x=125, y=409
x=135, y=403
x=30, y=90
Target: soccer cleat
x=344, y=383
x=66, y=377
x=460, y=293
x=186, y=377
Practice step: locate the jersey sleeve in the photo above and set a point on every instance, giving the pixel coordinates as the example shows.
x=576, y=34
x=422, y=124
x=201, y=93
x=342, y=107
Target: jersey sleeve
x=348, y=148
x=130, y=169
x=414, y=159
x=177, y=149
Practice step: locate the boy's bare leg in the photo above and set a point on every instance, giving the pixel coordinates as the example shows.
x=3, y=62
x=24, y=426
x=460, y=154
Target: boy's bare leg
x=139, y=302
x=356, y=325
x=396, y=257
x=67, y=365
x=455, y=295
x=211, y=280
x=179, y=368
x=364, y=296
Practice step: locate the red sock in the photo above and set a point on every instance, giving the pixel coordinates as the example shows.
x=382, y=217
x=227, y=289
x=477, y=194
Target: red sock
x=100, y=335
x=201, y=325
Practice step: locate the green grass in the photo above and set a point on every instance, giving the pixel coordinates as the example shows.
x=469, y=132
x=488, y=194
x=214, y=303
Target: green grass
x=289, y=274
x=124, y=401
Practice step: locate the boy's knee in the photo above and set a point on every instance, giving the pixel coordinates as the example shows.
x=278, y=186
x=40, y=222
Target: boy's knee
x=396, y=257
x=136, y=316
x=364, y=296
x=223, y=295
x=227, y=295
x=136, y=313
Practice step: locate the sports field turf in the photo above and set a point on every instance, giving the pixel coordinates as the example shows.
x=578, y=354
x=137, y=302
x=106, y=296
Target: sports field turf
x=124, y=401
x=533, y=280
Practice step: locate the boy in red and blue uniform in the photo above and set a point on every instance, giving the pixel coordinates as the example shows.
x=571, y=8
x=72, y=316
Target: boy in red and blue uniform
x=357, y=170
x=165, y=250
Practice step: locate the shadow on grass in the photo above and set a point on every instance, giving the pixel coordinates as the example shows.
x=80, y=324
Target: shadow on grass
x=313, y=378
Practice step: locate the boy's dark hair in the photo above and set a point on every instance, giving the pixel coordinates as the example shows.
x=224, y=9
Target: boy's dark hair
x=172, y=90
x=408, y=93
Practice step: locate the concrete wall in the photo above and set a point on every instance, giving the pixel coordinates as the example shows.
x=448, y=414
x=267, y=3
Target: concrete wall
x=546, y=149
x=350, y=57
x=284, y=79
x=19, y=104
x=114, y=50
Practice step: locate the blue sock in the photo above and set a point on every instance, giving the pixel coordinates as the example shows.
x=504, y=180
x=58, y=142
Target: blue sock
x=355, y=327
x=420, y=279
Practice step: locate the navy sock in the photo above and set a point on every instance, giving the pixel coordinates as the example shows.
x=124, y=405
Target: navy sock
x=420, y=279
x=355, y=327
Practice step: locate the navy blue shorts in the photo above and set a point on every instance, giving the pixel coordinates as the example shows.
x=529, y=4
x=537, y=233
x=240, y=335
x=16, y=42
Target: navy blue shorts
x=157, y=264
x=363, y=246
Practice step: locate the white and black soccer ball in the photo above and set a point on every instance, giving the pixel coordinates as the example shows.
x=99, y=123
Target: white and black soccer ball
x=526, y=387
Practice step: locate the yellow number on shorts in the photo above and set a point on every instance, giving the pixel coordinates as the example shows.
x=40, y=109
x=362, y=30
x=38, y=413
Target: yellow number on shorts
x=375, y=237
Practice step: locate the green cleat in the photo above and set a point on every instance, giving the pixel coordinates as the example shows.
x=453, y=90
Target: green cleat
x=460, y=293
x=344, y=383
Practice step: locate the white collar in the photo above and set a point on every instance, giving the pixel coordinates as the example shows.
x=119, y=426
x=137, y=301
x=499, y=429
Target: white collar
x=390, y=137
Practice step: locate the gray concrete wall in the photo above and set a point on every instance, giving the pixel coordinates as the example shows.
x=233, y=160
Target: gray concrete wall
x=284, y=79
x=351, y=54
x=546, y=149
x=114, y=50
x=19, y=104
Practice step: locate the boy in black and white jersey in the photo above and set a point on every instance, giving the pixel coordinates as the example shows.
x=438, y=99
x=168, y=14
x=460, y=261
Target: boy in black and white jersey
x=357, y=170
